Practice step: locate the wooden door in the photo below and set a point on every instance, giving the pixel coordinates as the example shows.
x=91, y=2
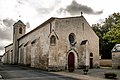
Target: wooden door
x=71, y=62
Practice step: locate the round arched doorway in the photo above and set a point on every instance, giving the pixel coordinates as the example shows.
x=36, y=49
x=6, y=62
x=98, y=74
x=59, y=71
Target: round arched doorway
x=71, y=62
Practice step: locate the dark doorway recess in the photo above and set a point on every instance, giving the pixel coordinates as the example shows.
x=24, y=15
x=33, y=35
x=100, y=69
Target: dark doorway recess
x=71, y=62
x=91, y=60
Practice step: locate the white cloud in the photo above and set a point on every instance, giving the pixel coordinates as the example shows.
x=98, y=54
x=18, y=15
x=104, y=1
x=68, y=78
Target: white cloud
x=76, y=8
x=35, y=12
x=7, y=8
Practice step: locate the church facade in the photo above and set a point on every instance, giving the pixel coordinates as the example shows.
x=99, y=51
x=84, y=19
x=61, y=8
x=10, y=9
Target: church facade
x=56, y=44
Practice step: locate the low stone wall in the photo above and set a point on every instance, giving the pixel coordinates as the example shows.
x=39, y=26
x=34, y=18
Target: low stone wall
x=116, y=60
x=106, y=62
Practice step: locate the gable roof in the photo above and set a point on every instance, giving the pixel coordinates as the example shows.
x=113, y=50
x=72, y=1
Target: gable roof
x=19, y=22
x=50, y=20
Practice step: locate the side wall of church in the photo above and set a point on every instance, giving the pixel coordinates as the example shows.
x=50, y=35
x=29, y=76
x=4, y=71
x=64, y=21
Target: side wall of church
x=8, y=54
x=93, y=44
x=34, y=47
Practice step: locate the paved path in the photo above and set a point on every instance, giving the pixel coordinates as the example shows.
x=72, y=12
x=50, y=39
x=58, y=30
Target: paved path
x=93, y=74
x=15, y=72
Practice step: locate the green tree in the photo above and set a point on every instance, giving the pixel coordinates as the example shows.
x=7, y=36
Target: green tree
x=108, y=33
x=113, y=35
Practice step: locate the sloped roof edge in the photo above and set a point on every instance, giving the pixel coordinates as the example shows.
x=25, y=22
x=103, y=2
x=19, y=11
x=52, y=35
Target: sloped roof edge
x=48, y=21
x=8, y=45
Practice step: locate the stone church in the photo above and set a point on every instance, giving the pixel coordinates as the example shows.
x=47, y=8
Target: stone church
x=56, y=44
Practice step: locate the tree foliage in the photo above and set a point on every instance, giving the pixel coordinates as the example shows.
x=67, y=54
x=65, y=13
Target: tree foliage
x=113, y=35
x=108, y=33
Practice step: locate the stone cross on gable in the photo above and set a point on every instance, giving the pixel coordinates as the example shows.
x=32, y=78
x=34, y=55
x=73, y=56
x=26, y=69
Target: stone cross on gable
x=81, y=13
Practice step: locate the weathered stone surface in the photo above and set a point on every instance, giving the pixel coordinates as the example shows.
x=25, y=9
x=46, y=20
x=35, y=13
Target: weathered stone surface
x=8, y=56
x=116, y=56
x=115, y=60
x=38, y=49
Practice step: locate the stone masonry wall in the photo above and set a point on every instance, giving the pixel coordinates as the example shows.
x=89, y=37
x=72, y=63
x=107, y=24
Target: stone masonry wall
x=93, y=42
x=8, y=54
x=38, y=48
x=63, y=28
x=115, y=60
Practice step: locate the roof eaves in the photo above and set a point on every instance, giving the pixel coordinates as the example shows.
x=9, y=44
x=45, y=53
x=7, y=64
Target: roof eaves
x=49, y=20
x=8, y=45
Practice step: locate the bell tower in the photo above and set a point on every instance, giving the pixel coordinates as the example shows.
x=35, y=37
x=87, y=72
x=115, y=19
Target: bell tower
x=19, y=29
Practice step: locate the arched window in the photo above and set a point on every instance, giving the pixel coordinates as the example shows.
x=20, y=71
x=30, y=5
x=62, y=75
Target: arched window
x=20, y=30
x=52, y=40
x=72, y=38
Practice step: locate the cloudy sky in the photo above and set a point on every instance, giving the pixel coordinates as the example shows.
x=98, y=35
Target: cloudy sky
x=34, y=12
